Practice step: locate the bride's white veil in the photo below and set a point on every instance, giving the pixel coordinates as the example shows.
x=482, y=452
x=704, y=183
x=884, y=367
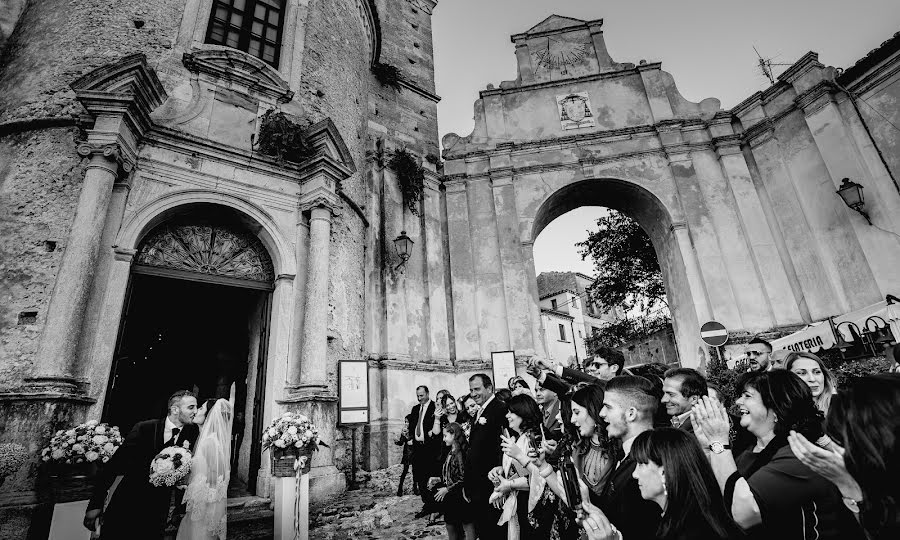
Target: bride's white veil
x=207, y=490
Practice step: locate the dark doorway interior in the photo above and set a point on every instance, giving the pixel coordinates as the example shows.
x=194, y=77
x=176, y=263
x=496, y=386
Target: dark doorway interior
x=180, y=334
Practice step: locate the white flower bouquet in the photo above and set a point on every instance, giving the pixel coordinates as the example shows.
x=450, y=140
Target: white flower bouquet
x=170, y=466
x=292, y=431
x=90, y=443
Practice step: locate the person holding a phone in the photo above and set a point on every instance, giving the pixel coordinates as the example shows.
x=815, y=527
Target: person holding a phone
x=528, y=505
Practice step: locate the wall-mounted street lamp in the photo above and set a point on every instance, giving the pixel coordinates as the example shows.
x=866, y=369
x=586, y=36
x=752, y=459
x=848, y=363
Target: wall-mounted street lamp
x=404, y=246
x=852, y=194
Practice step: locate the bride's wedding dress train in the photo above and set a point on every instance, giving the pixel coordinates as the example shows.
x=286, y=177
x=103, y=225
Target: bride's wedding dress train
x=207, y=491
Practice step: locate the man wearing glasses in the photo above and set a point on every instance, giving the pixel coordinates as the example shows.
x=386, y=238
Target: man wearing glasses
x=759, y=354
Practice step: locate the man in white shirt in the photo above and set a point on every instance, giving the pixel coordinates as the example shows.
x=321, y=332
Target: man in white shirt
x=426, y=448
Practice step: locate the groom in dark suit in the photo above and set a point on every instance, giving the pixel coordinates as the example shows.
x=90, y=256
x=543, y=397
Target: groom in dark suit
x=137, y=509
x=483, y=455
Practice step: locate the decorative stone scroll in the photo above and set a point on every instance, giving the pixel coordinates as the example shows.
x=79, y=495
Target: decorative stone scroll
x=207, y=249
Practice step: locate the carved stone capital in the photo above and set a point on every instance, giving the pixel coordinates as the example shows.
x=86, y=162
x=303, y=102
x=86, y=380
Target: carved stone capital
x=112, y=152
x=321, y=200
x=124, y=254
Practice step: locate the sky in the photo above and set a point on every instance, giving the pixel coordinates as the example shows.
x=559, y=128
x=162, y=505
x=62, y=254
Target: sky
x=707, y=45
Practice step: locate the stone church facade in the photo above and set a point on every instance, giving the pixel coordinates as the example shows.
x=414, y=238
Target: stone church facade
x=147, y=245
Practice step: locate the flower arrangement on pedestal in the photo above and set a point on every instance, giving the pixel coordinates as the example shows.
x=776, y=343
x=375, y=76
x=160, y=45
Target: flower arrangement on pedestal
x=292, y=439
x=88, y=443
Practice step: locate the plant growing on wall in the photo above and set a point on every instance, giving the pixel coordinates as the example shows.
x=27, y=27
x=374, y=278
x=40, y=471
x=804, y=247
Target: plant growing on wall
x=282, y=138
x=410, y=177
x=387, y=75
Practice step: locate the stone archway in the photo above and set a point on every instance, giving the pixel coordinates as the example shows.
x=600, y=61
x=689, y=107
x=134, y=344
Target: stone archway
x=583, y=129
x=652, y=215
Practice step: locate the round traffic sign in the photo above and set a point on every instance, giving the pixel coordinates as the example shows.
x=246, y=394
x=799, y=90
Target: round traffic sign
x=713, y=333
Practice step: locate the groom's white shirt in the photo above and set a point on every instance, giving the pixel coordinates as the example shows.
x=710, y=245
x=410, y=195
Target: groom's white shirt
x=167, y=432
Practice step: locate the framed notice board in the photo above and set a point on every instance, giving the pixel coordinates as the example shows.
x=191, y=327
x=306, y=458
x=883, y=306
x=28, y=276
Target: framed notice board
x=353, y=392
x=504, y=366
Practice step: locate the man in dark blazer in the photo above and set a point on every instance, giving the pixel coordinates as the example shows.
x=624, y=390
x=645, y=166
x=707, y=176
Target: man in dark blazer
x=629, y=404
x=483, y=455
x=426, y=448
x=682, y=389
x=137, y=509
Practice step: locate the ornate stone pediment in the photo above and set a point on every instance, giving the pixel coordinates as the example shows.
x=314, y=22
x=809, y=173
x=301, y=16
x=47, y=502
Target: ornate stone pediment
x=127, y=88
x=239, y=68
x=554, y=23
x=207, y=249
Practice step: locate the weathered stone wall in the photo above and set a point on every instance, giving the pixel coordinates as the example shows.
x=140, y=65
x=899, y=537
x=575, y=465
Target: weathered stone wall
x=658, y=347
x=56, y=41
x=40, y=179
x=9, y=16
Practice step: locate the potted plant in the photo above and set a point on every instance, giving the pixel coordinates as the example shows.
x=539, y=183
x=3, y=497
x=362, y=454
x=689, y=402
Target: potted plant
x=282, y=138
x=74, y=456
x=292, y=438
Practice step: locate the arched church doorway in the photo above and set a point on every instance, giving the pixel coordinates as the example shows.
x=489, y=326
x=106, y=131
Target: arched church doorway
x=196, y=317
x=651, y=215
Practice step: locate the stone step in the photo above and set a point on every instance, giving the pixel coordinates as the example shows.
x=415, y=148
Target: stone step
x=249, y=518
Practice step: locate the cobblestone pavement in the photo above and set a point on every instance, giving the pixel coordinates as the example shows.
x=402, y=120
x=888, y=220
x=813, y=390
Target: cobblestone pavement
x=375, y=512
x=369, y=514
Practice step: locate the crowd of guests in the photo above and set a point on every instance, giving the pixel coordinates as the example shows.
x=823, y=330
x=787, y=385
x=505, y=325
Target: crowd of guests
x=653, y=453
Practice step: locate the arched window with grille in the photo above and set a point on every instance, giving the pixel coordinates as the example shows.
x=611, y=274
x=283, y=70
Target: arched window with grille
x=252, y=26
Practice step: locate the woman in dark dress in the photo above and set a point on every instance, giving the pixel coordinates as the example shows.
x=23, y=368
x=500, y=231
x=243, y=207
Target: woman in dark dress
x=770, y=493
x=673, y=472
x=864, y=458
x=449, y=495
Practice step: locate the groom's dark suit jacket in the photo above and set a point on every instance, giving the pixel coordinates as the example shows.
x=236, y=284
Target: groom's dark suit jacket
x=137, y=508
x=622, y=503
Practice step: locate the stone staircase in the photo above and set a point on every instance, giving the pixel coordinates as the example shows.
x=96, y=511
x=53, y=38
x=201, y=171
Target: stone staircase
x=249, y=518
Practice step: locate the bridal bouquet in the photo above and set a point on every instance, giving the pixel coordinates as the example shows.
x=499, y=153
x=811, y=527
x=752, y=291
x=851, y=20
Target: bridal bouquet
x=91, y=442
x=292, y=430
x=170, y=466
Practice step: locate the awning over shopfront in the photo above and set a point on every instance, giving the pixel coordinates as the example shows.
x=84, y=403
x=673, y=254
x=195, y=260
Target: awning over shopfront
x=819, y=335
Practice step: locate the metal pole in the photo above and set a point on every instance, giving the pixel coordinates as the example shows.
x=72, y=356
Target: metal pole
x=353, y=485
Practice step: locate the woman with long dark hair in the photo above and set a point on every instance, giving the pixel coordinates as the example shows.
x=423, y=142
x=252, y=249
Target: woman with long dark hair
x=594, y=456
x=449, y=495
x=771, y=494
x=864, y=458
x=673, y=472
x=527, y=504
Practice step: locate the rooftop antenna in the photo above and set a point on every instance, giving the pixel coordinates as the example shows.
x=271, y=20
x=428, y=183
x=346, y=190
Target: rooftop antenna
x=765, y=65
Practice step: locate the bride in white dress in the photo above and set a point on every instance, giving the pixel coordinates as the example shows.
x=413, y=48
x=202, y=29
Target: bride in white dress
x=207, y=490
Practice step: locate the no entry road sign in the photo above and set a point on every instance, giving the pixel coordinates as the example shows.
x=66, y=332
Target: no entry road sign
x=714, y=334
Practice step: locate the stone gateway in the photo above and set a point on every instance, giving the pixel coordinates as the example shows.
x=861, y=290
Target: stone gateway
x=153, y=237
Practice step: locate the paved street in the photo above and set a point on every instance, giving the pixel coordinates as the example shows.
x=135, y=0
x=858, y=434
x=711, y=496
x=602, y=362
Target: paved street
x=373, y=511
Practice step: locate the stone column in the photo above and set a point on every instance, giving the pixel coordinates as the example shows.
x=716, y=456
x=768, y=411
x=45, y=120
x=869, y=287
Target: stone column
x=65, y=311
x=313, y=374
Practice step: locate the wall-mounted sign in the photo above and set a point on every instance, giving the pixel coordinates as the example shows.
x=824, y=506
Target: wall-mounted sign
x=504, y=366
x=353, y=392
x=575, y=111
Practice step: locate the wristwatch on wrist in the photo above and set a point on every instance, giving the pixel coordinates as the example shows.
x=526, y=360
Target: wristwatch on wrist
x=717, y=448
